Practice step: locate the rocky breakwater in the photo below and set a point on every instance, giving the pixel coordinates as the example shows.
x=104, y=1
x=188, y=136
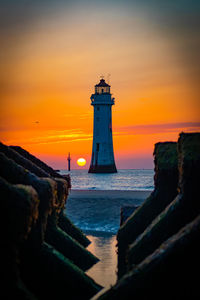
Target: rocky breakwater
x=163, y=260
x=165, y=181
x=182, y=210
x=64, y=223
x=44, y=268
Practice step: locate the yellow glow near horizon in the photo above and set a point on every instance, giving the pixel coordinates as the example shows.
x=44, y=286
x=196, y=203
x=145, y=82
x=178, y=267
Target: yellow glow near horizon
x=81, y=162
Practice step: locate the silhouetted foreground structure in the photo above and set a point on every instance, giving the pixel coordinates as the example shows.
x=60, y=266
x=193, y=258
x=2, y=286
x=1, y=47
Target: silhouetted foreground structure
x=43, y=253
x=159, y=244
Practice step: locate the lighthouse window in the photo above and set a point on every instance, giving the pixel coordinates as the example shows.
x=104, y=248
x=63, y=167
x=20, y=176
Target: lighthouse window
x=97, y=146
x=98, y=108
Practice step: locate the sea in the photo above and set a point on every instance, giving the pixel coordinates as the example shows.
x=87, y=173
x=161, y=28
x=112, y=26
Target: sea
x=132, y=180
x=99, y=218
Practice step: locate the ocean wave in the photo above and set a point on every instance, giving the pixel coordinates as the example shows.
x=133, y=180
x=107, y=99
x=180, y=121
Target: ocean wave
x=98, y=229
x=122, y=188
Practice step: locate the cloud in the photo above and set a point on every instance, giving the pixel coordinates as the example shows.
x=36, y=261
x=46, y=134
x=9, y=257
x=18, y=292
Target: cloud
x=77, y=135
x=65, y=136
x=158, y=128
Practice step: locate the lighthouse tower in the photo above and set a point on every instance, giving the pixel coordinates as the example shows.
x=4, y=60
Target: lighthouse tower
x=102, y=160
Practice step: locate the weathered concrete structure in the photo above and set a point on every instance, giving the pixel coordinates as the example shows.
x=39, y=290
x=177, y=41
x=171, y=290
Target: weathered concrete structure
x=166, y=181
x=102, y=160
x=44, y=170
x=38, y=266
x=182, y=210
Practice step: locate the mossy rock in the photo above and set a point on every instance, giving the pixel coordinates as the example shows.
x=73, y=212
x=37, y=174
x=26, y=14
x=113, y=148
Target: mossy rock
x=19, y=212
x=189, y=145
x=62, y=193
x=45, y=187
x=19, y=209
x=165, y=155
x=189, y=162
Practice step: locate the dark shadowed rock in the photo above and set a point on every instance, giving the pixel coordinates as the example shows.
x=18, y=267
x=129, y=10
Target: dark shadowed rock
x=189, y=164
x=19, y=209
x=18, y=212
x=126, y=212
x=171, y=272
x=166, y=181
x=53, y=276
x=184, y=208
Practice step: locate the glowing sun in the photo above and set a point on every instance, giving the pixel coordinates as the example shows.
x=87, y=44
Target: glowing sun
x=81, y=162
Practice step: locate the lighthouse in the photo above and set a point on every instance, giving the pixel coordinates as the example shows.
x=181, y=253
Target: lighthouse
x=102, y=160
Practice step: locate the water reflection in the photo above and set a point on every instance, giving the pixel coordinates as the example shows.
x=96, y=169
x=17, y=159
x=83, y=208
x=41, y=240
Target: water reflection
x=104, y=247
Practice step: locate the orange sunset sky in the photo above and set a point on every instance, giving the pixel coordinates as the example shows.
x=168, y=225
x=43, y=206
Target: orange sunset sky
x=54, y=52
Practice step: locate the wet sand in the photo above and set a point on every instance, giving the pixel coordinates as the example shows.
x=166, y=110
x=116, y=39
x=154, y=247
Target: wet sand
x=111, y=194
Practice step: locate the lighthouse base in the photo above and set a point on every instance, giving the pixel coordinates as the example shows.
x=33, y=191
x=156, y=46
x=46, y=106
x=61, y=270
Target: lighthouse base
x=103, y=169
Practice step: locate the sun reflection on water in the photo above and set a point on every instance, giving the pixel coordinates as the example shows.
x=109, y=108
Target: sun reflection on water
x=104, y=247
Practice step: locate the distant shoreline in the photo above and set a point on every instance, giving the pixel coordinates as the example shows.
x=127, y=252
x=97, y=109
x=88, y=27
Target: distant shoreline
x=110, y=194
x=80, y=169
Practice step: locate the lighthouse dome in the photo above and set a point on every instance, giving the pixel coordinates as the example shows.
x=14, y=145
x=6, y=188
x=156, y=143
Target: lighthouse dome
x=102, y=87
x=102, y=83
